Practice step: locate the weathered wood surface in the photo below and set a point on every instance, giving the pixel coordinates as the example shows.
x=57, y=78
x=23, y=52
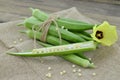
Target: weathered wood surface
x=106, y=1
x=14, y=9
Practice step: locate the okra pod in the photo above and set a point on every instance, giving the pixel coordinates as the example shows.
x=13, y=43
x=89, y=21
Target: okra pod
x=71, y=57
x=60, y=50
x=84, y=36
x=71, y=25
x=29, y=23
x=80, y=54
x=67, y=35
x=30, y=34
x=50, y=39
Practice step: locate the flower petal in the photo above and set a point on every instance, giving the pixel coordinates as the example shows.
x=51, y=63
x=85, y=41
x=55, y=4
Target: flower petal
x=109, y=35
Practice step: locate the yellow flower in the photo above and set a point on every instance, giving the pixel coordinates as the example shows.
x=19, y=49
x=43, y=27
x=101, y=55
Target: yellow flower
x=105, y=34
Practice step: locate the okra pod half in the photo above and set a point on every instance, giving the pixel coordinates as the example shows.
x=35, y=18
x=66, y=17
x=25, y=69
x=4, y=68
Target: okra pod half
x=69, y=24
x=60, y=50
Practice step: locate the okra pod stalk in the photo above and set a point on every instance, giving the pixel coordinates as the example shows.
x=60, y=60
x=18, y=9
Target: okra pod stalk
x=71, y=25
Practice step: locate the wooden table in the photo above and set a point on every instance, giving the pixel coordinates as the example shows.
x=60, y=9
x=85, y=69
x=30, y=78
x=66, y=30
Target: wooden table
x=13, y=9
x=20, y=68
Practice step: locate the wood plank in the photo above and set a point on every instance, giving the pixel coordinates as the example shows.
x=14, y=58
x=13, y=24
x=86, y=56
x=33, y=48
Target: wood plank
x=108, y=1
x=14, y=9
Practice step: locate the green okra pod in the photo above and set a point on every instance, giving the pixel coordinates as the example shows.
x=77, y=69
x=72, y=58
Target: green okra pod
x=60, y=50
x=71, y=25
x=29, y=23
x=72, y=20
x=50, y=39
x=67, y=35
x=81, y=61
x=84, y=36
x=80, y=54
x=71, y=57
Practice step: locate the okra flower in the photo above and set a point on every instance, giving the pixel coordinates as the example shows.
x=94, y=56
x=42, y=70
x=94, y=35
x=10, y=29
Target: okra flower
x=105, y=34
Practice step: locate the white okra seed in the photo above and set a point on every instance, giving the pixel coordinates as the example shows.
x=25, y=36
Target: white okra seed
x=20, y=39
x=79, y=70
x=49, y=68
x=79, y=74
x=90, y=58
x=49, y=75
x=74, y=70
x=70, y=47
x=94, y=74
x=64, y=71
x=73, y=65
x=61, y=73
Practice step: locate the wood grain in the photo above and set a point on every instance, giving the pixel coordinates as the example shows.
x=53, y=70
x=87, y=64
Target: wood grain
x=15, y=9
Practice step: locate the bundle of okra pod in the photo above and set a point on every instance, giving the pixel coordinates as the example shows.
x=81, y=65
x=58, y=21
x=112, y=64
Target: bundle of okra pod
x=70, y=40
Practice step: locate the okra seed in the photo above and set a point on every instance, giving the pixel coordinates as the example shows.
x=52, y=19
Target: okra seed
x=94, y=74
x=93, y=63
x=64, y=71
x=40, y=51
x=49, y=75
x=44, y=50
x=14, y=42
x=49, y=68
x=73, y=66
x=61, y=73
x=70, y=47
x=55, y=50
x=20, y=39
x=90, y=58
x=62, y=27
x=74, y=70
x=46, y=75
x=79, y=70
x=79, y=74
x=77, y=46
x=52, y=50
